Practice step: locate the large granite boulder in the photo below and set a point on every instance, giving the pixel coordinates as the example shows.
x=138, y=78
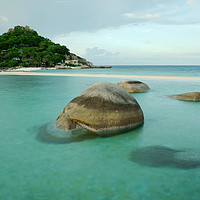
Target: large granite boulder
x=104, y=109
x=191, y=96
x=133, y=86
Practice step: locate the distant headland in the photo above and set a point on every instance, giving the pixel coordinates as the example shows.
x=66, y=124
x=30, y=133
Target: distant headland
x=23, y=47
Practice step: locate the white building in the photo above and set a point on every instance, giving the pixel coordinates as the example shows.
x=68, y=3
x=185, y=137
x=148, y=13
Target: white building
x=72, y=62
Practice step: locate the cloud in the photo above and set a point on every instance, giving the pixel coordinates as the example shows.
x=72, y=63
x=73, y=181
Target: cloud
x=95, y=51
x=162, y=6
x=66, y=16
x=5, y=19
x=98, y=56
x=145, y=16
x=191, y=2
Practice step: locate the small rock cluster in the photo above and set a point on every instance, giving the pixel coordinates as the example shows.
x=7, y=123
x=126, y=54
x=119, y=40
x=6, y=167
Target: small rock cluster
x=190, y=96
x=106, y=109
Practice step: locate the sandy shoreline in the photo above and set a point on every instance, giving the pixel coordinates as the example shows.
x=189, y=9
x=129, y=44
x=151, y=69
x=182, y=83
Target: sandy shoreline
x=101, y=75
x=24, y=69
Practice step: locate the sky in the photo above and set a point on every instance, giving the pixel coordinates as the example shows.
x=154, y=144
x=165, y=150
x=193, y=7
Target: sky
x=110, y=32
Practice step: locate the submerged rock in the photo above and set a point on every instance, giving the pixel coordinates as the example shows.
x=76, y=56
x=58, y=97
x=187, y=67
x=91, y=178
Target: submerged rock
x=133, y=86
x=104, y=109
x=191, y=96
x=158, y=156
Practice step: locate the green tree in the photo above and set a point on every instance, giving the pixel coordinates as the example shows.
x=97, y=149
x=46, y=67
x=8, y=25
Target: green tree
x=30, y=48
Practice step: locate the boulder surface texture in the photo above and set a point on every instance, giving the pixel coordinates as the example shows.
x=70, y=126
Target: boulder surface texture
x=103, y=108
x=191, y=96
x=133, y=86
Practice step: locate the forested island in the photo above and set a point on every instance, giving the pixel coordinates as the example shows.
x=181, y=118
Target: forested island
x=23, y=47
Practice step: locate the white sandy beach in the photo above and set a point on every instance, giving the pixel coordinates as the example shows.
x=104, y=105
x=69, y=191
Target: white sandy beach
x=25, y=69
x=19, y=73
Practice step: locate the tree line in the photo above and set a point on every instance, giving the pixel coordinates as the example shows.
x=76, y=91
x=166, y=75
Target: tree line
x=23, y=46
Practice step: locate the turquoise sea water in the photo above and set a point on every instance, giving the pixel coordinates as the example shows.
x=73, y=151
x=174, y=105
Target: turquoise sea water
x=152, y=70
x=97, y=168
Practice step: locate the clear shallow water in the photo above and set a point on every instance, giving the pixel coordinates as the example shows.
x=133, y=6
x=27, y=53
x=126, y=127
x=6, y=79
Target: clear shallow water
x=97, y=168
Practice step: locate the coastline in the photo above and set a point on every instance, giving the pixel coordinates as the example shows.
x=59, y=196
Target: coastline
x=28, y=73
x=27, y=69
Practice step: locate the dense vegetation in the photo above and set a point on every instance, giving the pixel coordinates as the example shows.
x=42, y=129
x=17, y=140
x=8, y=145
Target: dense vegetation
x=23, y=46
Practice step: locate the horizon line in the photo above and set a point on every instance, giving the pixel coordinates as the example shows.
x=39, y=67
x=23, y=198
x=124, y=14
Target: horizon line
x=150, y=64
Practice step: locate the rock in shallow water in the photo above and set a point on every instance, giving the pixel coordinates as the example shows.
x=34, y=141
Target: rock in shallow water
x=133, y=86
x=50, y=133
x=191, y=96
x=158, y=156
x=103, y=108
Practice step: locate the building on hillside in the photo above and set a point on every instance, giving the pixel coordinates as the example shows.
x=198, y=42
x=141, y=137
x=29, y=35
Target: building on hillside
x=16, y=59
x=72, y=62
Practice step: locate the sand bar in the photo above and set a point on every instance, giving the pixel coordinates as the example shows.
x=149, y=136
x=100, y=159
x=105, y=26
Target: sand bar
x=101, y=75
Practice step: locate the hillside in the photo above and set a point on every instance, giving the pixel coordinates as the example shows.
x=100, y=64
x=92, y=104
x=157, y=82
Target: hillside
x=23, y=46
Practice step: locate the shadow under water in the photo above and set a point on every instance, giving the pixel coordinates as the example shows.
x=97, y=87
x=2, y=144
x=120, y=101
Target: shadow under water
x=50, y=133
x=159, y=156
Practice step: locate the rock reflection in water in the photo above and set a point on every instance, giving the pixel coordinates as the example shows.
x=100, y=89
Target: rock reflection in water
x=159, y=156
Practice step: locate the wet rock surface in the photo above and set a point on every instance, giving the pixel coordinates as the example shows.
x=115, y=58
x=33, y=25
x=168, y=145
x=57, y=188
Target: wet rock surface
x=104, y=109
x=133, y=86
x=190, y=96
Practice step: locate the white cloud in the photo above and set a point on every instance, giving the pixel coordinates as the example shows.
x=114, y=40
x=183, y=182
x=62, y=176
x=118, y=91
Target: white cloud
x=145, y=16
x=5, y=19
x=99, y=52
x=162, y=6
x=191, y=2
x=99, y=56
